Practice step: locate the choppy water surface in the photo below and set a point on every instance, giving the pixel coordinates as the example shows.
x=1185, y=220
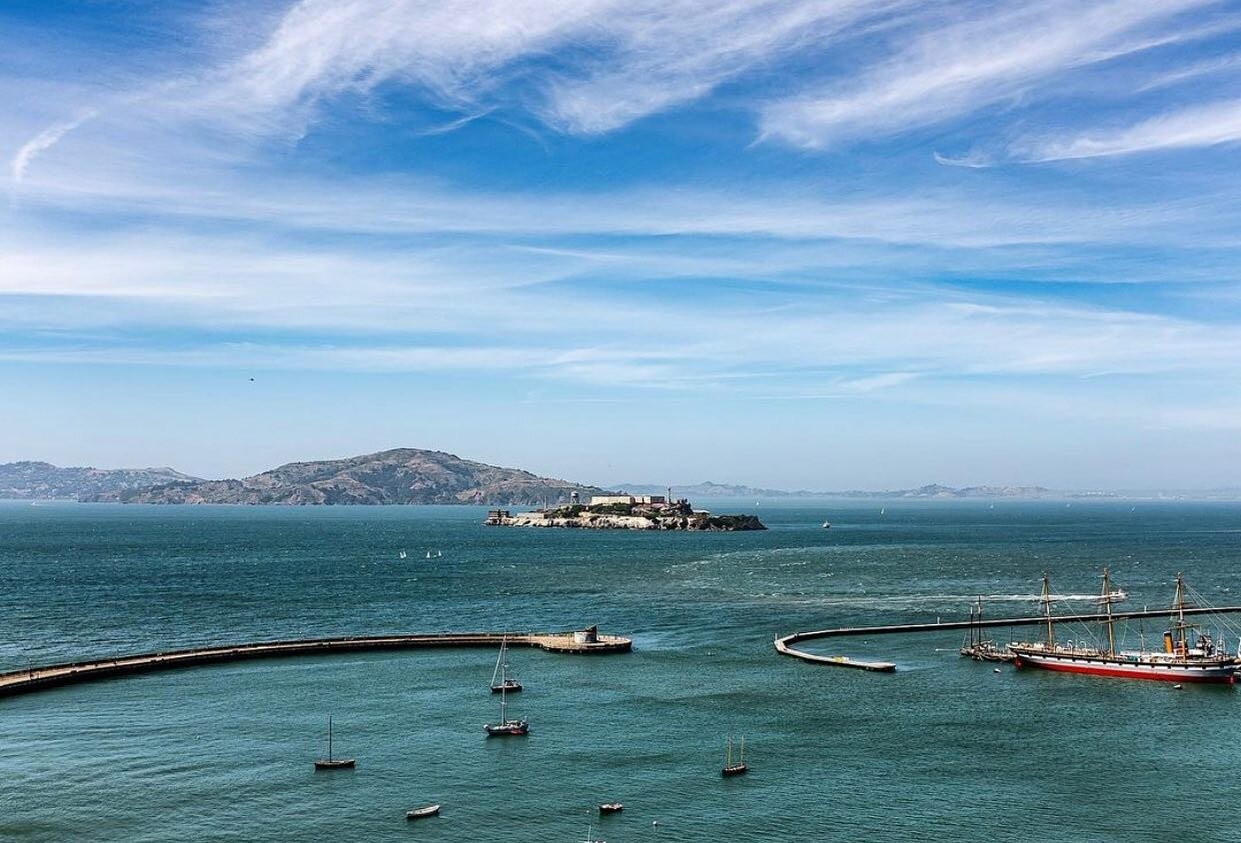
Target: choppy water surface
x=943, y=749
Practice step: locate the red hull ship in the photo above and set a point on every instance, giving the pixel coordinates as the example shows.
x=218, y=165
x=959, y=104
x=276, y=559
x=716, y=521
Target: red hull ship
x=1188, y=655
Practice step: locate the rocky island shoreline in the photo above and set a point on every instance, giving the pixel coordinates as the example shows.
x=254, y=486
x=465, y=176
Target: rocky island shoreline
x=626, y=512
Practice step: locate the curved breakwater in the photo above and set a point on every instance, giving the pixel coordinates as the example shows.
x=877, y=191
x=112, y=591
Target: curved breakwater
x=586, y=642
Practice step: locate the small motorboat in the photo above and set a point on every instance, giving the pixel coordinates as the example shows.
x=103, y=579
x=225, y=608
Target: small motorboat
x=611, y=807
x=590, y=838
x=422, y=813
x=331, y=763
x=827, y=525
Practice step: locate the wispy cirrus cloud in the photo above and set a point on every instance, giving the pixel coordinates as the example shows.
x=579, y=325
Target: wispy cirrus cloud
x=969, y=64
x=1205, y=125
x=42, y=142
x=616, y=61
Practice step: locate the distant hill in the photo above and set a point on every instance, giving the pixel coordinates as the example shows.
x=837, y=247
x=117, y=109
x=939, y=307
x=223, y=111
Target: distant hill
x=42, y=480
x=399, y=476
x=711, y=490
x=934, y=490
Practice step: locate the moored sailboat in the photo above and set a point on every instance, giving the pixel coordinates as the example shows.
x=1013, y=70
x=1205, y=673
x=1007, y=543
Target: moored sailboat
x=505, y=682
x=978, y=648
x=1188, y=655
x=331, y=763
x=506, y=727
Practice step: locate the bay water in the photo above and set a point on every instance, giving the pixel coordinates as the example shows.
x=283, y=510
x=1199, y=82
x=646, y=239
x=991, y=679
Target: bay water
x=944, y=749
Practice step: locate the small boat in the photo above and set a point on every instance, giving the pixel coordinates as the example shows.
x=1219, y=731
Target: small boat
x=506, y=727
x=331, y=763
x=611, y=807
x=827, y=525
x=589, y=835
x=422, y=813
x=731, y=769
x=506, y=683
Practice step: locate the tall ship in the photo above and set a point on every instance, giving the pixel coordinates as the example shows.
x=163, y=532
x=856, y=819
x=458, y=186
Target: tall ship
x=1188, y=654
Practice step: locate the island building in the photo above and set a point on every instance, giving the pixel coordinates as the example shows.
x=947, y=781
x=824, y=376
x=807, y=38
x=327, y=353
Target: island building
x=627, y=500
x=625, y=512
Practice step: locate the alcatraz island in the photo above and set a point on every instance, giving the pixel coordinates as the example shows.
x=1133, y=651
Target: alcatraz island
x=625, y=512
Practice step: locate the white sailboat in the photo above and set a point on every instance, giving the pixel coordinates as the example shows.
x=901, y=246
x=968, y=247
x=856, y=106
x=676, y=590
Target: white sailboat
x=506, y=682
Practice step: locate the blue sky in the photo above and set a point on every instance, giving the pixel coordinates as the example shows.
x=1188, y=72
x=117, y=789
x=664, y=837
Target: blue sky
x=813, y=244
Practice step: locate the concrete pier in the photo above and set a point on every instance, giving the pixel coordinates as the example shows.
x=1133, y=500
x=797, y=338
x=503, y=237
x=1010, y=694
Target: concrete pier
x=784, y=644
x=580, y=642
x=835, y=661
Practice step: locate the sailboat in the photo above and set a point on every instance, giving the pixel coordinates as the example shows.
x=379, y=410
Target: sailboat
x=505, y=727
x=975, y=646
x=402, y=554
x=1188, y=655
x=506, y=683
x=731, y=769
x=428, y=554
x=331, y=763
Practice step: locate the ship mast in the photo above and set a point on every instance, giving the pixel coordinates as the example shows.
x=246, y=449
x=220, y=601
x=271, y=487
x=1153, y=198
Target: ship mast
x=978, y=624
x=1107, y=601
x=1045, y=599
x=1178, y=603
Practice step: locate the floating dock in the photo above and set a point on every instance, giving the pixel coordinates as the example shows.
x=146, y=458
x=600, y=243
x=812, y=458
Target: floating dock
x=579, y=642
x=784, y=643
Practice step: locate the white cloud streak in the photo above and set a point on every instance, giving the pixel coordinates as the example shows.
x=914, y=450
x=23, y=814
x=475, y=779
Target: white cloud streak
x=965, y=66
x=42, y=142
x=1199, y=126
x=616, y=61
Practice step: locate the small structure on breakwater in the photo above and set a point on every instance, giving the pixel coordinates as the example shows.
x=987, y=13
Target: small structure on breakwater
x=580, y=642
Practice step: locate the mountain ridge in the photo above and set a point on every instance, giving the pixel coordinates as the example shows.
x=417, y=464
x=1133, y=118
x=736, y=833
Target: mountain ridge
x=709, y=489
x=398, y=476
x=38, y=480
